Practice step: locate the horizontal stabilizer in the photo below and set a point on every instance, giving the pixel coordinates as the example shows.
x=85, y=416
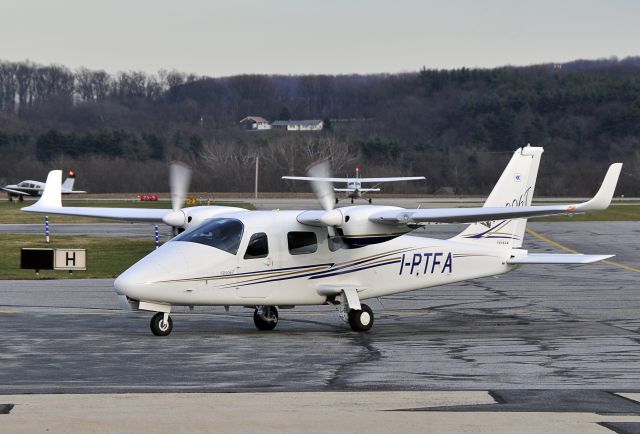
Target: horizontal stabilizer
x=557, y=258
x=351, y=190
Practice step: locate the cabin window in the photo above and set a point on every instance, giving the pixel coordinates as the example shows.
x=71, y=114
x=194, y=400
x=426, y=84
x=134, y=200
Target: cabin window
x=301, y=243
x=258, y=246
x=221, y=233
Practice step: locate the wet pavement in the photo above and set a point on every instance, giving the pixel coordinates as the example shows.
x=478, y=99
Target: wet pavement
x=539, y=327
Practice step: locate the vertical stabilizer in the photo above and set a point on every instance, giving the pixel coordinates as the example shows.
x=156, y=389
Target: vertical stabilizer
x=67, y=185
x=514, y=188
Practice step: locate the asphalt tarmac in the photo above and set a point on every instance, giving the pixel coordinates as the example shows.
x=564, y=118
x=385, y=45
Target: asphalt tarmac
x=540, y=340
x=543, y=327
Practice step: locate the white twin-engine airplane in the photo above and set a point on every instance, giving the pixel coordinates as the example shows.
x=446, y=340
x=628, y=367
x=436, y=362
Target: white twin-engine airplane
x=35, y=188
x=267, y=259
x=354, y=189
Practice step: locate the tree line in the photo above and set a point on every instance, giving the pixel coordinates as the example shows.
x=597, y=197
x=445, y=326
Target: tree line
x=456, y=127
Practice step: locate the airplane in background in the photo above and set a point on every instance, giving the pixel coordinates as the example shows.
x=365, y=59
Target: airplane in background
x=35, y=188
x=354, y=189
x=265, y=260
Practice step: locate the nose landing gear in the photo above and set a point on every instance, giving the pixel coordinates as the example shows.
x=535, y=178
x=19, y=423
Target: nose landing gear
x=265, y=317
x=161, y=324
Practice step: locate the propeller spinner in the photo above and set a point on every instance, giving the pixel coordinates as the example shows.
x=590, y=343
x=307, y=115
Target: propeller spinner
x=179, y=179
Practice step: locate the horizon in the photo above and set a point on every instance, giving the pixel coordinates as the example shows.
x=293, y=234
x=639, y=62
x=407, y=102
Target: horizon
x=610, y=59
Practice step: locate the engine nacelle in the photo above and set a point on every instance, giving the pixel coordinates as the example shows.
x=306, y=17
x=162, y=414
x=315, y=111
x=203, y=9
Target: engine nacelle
x=353, y=225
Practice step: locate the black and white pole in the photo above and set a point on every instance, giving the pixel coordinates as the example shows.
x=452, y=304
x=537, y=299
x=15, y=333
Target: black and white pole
x=46, y=228
x=157, y=237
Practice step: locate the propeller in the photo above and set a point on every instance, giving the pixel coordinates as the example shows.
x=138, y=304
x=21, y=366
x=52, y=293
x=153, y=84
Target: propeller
x=179, y=179
x=322, y=189
x=326, y=197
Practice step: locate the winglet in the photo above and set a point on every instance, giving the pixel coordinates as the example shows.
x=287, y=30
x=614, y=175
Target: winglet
x=52, y=194
x=602, y=199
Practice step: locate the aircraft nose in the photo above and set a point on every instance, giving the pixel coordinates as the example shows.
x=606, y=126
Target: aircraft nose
x=173, y=261
x=136, y=276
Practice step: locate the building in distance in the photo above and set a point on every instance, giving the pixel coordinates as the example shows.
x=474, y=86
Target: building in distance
x=255, y=123
x=303, y=125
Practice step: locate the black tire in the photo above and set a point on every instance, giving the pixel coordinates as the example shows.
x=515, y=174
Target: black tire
x=361, y=320
x=159, y=327
x=261, y=324
x=351, y=200
x=369, y=201
x=337, y=200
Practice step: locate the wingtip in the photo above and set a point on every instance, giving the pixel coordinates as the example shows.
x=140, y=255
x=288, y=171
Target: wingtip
x=603, y=197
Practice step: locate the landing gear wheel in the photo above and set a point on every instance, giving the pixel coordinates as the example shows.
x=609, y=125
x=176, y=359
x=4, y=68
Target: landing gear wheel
x=159, y=326
x=369, y=201
x=265, y=317
x=351, y=200
x=361, y=320
x=337, y=200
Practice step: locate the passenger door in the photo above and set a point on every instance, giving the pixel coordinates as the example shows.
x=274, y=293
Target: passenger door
x=255, y=266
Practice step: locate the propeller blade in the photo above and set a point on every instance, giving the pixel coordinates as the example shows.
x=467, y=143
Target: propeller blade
x=322, y=189
x=179, y=179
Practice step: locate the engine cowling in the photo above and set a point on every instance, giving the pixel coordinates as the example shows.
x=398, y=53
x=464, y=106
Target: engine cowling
x=352, y=224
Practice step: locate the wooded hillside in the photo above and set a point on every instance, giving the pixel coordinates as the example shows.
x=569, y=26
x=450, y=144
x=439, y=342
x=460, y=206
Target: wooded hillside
x=456, y=127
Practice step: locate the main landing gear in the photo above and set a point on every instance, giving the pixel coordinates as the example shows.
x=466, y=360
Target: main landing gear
x=358, y=315
x=361, y=320
x=265, y=317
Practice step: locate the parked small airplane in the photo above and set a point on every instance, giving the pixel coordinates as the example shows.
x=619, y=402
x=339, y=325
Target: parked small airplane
x=354, y=187
x=335, y=256
x=35, y=188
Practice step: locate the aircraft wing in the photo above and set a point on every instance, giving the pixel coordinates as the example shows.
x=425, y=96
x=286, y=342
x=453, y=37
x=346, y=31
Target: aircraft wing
x=318, y=178
x=9, y=190
x=361, y=180
x=599, y=202
x=51, y=203
x=127, y=214
x=392, y=179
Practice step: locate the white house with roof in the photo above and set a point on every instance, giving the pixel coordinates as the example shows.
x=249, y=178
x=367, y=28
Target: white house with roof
x=303, y=125
x=255, y=123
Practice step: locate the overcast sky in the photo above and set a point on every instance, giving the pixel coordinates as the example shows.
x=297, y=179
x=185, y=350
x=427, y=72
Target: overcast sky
x=219, y=38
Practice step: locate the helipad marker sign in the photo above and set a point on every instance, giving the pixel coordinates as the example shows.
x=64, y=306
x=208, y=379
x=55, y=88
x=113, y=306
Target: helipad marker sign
x=70, y=259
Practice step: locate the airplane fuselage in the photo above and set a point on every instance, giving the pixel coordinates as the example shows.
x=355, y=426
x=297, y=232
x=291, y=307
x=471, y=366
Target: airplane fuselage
x=190, y=273
x=32, y=188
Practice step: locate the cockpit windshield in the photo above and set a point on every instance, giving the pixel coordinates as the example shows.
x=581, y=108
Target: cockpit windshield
x=221, y=233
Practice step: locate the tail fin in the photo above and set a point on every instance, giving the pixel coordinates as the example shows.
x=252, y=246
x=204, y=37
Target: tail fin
x=51, y=196
x=68, y=183
x=514, y=188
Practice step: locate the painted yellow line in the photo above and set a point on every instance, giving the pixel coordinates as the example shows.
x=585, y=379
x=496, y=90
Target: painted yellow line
x=567, y=249
x=9, y=312
x=539, y=236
